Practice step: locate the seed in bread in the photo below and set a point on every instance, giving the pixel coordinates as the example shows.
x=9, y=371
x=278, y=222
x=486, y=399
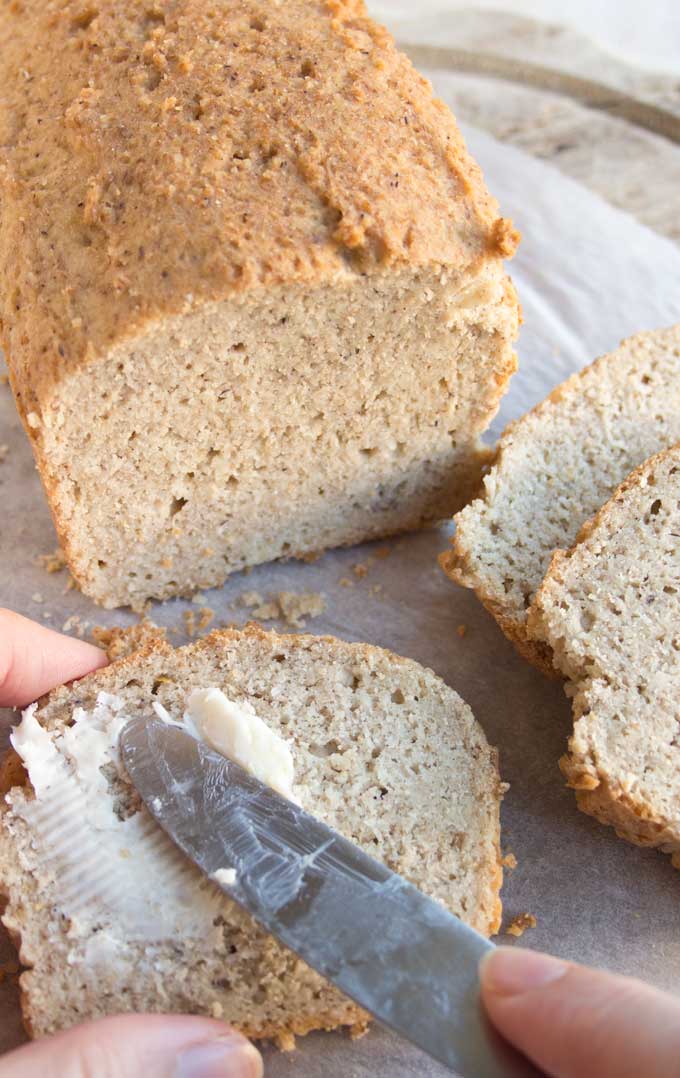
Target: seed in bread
x=610, y=611
x=555, y=467
x=252, y=294
x=383, y=751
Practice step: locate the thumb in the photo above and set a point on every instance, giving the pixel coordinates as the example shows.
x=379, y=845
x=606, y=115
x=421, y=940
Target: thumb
x=156, y=1046
x=575, y=1022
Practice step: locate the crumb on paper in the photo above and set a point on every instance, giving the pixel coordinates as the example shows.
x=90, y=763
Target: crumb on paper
x=509, y=861
x=197, y=623
x=250, y=598
x=383, y=552
x=4, y=379
x=345, y=582
x=376, y=589
x=4, y=450
x=289, y=606
x=76, y=625
x=37, y=598
x=361, y=569
x=461, y=630
x=311, y=556
x=54, y=562
x=285, y=1041
x=358, y=1030
x=70, y=584
x=46, y=615
x=295, y=607
x=520, y=923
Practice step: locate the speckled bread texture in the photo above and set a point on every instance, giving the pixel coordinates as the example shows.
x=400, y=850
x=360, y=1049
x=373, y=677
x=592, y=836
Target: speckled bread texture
x=610, y=611
x=555, y=467
x=383, y=749
x=251, y=284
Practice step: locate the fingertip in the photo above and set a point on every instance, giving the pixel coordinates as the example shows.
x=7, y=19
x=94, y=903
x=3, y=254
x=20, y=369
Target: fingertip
x=510, y=971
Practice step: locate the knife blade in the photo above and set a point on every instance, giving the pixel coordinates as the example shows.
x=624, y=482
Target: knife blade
x=398, y=954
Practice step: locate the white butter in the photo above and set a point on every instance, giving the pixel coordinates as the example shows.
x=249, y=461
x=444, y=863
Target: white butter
x=236, y=731
x=226, y=876
x=101, y=869
x=127, y=873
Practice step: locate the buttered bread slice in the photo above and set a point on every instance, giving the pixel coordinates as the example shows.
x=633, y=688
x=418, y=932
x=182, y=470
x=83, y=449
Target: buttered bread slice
x=610, y=611
x=109, y=917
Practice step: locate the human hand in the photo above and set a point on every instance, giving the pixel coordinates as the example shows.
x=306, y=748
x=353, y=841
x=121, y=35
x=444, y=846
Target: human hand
x=34, y=659
x=575, y=1022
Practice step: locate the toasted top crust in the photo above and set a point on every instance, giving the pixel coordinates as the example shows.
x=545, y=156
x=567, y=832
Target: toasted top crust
x=162, y=154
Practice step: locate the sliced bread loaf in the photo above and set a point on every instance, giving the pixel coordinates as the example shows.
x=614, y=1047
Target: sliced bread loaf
x=383, y=751
x=249, y=276
x=555, y=467
x=610, y=612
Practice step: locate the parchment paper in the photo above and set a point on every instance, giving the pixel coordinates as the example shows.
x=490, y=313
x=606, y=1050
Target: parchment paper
x=587, y=275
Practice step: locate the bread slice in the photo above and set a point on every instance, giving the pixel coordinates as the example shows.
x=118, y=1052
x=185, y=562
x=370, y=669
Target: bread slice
x=555, y=467
x=384, y=751
x=610, y=611
x=251, y=285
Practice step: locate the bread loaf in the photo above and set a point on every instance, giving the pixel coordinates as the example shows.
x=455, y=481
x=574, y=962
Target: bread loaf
x=251, y=284
x=555, y=467
x=383, y=751
x=610, y=612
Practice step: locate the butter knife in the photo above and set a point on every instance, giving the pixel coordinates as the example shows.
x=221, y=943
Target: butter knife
x=398, y=954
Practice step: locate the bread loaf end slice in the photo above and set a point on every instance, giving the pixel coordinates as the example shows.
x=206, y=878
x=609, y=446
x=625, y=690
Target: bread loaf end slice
x=256, y=306
x=384, y=752
x=553, y=470
x=610, y=611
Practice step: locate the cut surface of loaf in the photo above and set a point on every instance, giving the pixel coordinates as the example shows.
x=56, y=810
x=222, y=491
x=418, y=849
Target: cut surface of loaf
x=555, y=467
x=610, y=611
x=383, y=751
x=251, y=285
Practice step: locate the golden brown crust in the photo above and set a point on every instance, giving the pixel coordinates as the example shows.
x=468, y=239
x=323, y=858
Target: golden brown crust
x=182, y=152
x=536, y=652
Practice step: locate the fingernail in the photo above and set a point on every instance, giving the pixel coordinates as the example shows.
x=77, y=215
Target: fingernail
x=231, y=1056
x=509, y=971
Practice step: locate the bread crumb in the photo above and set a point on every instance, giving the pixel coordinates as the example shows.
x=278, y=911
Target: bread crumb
x=295, y=607
x=4, y=379
x=345, y=582
x=376, y=589
x=361, y=569
x=199, y=599
x=37, y=598
x=70, y=584
x=216, y=1009
x=75, y=624
x=520, y=923
x=46, y=615
x=194, y=624
x=383, y=552
x=288, y=606
x=311, y=556
x=4, y=450
x=285, y=1041
x=509, y=861
x=54, y=562
x=461, y=630
x=358, y=1030
x=250, y=598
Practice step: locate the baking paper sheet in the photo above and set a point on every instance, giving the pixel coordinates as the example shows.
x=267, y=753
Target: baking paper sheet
x=587, y=275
